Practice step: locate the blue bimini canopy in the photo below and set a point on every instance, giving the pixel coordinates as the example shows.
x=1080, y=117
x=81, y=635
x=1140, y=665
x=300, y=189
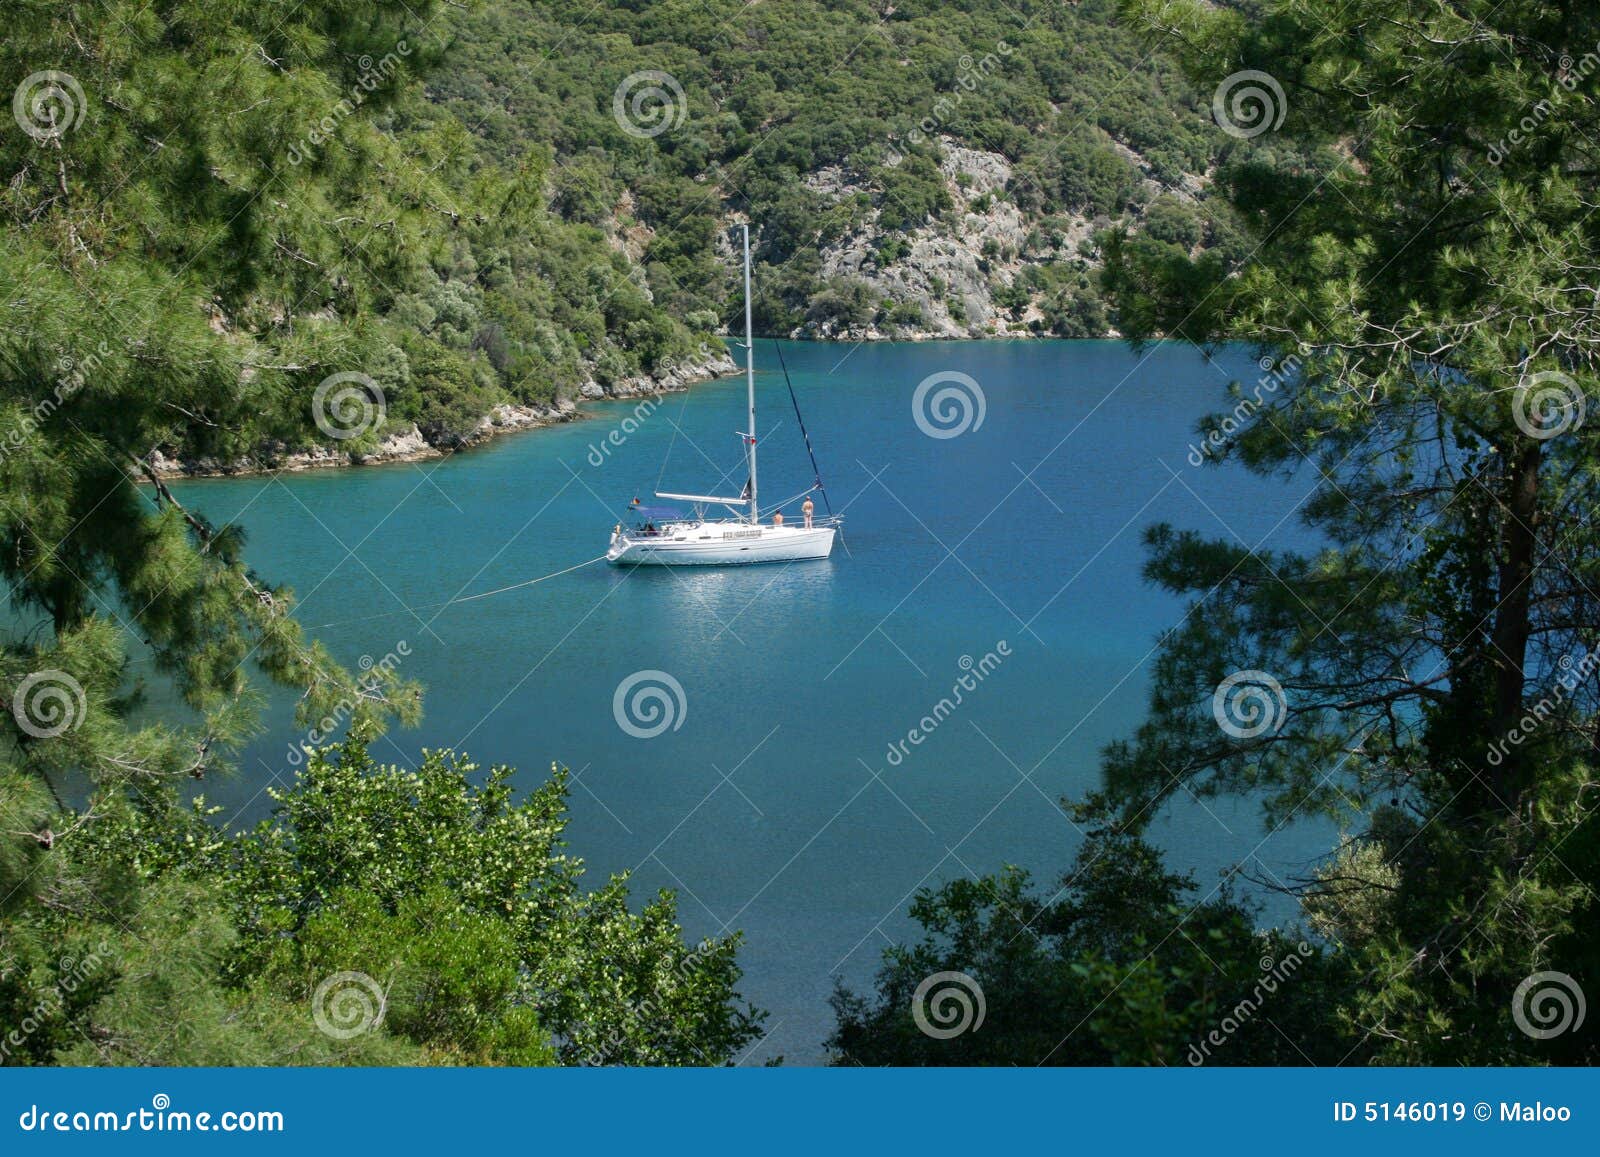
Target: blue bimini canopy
x=655, y=513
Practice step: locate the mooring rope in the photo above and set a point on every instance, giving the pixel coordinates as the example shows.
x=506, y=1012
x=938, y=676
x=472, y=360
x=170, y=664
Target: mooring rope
x=464, y=598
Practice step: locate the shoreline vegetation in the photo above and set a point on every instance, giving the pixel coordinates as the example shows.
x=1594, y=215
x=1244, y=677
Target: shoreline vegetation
x=411, y=445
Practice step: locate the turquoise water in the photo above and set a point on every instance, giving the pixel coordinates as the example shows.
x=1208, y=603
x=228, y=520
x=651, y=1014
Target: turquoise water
x=775, y=802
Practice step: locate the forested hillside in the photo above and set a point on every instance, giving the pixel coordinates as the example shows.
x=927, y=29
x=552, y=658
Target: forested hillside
x=927, y=166
x=465, y=207
x=250, y=205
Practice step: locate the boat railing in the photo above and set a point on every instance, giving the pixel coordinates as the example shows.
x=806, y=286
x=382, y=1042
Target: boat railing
x=670, y=529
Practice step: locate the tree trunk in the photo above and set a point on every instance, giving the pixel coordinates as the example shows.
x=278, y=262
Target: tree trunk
x=1518, y=542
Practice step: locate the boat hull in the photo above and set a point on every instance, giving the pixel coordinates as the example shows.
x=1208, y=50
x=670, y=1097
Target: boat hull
x=723, y=544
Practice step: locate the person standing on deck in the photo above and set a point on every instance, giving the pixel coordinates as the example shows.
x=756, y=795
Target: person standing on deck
x=806, y=508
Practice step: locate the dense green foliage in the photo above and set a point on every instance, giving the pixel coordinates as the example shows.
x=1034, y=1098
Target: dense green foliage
x=419, y=917
x=253, y=200
x=1122, y=964
x=757, y=98
x=208, y=210
x=1422, y=264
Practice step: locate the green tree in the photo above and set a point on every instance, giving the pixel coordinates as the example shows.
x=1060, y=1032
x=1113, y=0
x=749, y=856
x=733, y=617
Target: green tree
x=208, y=211
x=1122, y=964
x=1412, y=250
x=1422, y=271
x=366, y=866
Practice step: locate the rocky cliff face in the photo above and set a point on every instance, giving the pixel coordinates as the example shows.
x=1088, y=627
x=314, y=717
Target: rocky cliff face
x=951, y=269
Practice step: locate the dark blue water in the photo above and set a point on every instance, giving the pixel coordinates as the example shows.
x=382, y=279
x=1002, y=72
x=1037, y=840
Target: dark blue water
x=774, y=806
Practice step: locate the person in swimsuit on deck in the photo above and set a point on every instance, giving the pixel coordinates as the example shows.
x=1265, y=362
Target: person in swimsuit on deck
x=806, y=508
x=777, y=518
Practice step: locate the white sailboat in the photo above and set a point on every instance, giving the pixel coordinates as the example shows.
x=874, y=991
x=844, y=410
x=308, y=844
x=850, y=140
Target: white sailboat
x=666, y=536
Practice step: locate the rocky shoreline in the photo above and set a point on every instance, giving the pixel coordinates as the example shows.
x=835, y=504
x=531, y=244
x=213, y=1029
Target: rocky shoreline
x=410, y=445
x=949, y=274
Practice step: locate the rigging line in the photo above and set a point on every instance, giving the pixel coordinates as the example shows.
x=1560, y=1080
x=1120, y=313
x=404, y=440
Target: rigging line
x=667, y=457
x=815, y=469
x=463, y=599
x=791, y=498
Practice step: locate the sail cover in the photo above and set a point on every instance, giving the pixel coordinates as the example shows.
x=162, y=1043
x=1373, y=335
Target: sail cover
x=655, y=513
x=704, y=498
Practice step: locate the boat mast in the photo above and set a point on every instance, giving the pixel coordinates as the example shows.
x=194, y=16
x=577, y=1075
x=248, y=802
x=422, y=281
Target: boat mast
x=750, y=379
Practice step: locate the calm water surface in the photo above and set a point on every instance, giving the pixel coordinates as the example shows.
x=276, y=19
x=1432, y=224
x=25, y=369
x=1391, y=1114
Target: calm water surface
x=774, y=807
